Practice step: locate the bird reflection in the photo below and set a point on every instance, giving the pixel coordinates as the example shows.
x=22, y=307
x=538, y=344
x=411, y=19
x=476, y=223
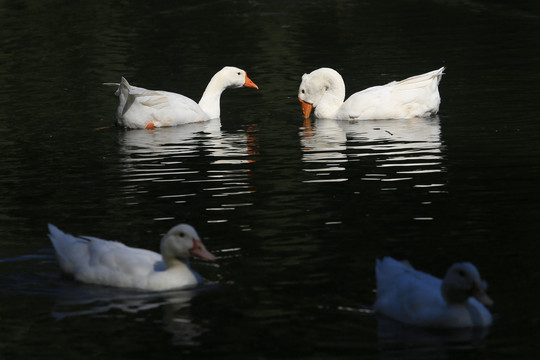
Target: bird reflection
x=186, y=140
x=175, y=154
x=175, y=306
x=402, y=144
x=170, y=140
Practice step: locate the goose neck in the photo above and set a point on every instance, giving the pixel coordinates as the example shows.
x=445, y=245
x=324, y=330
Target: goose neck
x=333, y=95
x=210, y=100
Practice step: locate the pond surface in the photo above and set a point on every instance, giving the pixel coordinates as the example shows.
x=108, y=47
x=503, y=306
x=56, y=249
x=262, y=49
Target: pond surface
x=296, y=211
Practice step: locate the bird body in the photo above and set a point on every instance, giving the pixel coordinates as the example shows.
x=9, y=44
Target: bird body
x=324, y=91
x=420, y=299
x=97, y=261
x=139, y=108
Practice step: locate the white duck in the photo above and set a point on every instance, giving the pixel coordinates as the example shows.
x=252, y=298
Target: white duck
x=96, y=261
x=420, y=299
x=140, y=108
x=324, y=90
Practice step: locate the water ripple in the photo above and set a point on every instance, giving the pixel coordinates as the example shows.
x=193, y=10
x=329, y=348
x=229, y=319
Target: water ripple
x=200, y=156
x=400, y=149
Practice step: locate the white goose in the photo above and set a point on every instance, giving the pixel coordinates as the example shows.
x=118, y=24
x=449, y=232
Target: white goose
x=96, y=261
x=420, y=299
x=140, y=108
x=324, y=90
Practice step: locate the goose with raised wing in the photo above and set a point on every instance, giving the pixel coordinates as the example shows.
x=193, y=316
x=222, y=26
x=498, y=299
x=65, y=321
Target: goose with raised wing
x=417, y=298
x=323, y=90
x=139, y=108
x=102, y=262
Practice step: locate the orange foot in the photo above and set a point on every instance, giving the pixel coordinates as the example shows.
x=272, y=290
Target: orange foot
x=150, y=126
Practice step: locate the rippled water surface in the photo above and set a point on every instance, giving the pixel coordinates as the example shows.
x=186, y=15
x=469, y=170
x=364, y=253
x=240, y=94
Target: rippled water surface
x=297, y=211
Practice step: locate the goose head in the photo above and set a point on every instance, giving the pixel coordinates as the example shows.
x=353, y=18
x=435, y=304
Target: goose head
x=234, y=77
x=182, y=241
x=228, y=77
x=321, y=87
x=462, y=281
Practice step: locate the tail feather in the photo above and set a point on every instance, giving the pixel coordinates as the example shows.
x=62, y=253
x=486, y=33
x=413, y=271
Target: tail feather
x=123, y=86
x=420, y=81
x=70, y=251
x=117, y=92
x=125, y=95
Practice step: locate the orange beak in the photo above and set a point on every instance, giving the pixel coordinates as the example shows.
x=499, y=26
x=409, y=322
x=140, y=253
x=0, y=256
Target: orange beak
x=250, y=84
x=306, y=108
x=199, y=249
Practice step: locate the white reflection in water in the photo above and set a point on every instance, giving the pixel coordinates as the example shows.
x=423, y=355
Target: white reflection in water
x=399, y=148
x=182, y=140
x=73, y=299
x=198, y=154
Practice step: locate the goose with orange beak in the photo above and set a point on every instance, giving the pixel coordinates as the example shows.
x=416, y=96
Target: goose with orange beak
x=323, y=90
x=139, y=108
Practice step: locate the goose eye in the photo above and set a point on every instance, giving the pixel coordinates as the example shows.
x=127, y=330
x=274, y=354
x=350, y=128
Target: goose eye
x=181, y=234
x=239, y=73
x=303, y=91
x=461, y=273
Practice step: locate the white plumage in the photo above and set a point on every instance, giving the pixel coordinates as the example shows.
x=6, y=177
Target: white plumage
x=96, y=261
x=139, y=108
x=324, y=90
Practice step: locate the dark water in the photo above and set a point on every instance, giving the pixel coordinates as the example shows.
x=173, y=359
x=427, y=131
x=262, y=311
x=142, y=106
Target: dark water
x=297, y=212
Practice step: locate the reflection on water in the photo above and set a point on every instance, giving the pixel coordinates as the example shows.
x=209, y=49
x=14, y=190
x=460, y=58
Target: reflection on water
x=73, y=299
x=199, y=156
x=82, y=299
x=174, y=305
x=186, y=140
x=408, y=147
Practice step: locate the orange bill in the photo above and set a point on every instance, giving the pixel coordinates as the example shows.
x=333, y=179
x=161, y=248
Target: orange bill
x=199, y=249
x=306, y=108
x=250, y=84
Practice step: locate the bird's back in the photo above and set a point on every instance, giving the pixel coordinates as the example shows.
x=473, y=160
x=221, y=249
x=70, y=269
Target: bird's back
x=70, y=251
x=416, y=96
x=139, y=107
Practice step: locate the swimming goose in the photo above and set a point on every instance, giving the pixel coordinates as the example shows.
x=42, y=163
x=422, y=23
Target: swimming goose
x=324, y=90
x=420, y=299
x=96, y=261
x=140, y=108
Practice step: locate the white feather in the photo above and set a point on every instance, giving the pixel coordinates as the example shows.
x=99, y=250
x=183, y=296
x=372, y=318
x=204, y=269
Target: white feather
x=139, y=108
x=416, y=96
x=96, y=261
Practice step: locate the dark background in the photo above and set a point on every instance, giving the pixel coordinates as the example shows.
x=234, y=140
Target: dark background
x=296, y=212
